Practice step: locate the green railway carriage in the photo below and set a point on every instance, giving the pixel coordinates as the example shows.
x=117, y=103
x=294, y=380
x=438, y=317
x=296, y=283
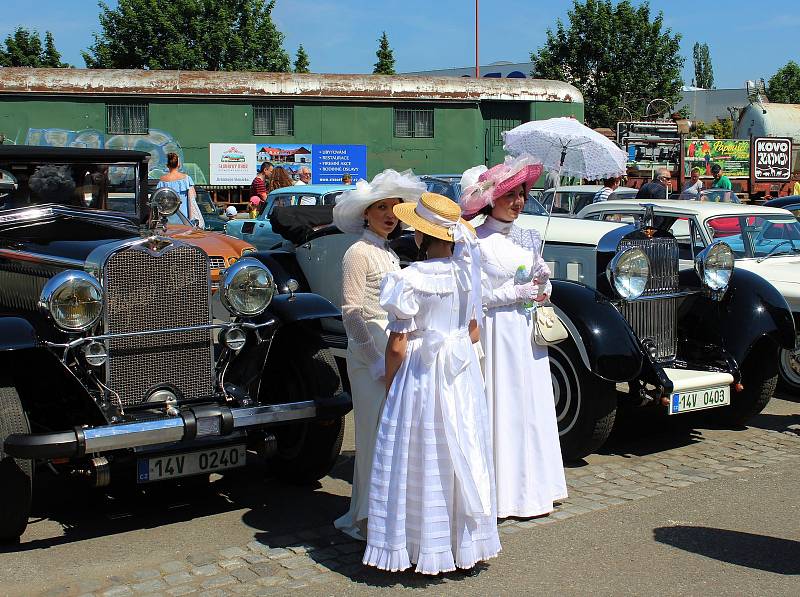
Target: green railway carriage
x=430, y=124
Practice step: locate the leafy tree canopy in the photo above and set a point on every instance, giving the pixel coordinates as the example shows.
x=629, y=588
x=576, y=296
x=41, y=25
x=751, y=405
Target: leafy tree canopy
x=188, y=35
x=301, y=62
x=385, y=54
x=24, y=48
x=617, y=55
x=784, y=86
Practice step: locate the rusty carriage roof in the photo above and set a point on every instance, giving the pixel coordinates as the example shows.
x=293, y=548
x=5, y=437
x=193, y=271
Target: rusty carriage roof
x=202, y=84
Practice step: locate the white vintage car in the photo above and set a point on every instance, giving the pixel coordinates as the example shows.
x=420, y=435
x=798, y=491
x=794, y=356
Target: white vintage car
x=674, y=340
x=765, y=240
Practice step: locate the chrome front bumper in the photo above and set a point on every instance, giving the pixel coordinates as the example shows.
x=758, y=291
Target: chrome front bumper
x=204, y=422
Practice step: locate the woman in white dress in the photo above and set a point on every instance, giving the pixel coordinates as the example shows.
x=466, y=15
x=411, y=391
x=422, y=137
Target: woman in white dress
x=431, y=502
x=527, y=454
x=367, y=210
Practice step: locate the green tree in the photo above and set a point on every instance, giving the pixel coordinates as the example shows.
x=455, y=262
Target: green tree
x=385, y=54
x=720, y=128
x=608, y=50
x=24, y=48
x=703, y=70
x=784, y=86
x=188, y=35
x=301, y=62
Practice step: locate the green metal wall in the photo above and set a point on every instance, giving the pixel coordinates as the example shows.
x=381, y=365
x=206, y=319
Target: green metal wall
x=460, y=138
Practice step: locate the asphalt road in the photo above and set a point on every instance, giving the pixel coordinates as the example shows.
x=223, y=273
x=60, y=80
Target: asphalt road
x=737, y=534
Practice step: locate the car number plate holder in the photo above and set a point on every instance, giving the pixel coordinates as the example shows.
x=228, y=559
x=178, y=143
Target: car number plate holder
x=186, y=464
x=681, y=402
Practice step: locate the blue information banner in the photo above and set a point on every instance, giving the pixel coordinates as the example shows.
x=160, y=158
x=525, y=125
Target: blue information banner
x=333, y=161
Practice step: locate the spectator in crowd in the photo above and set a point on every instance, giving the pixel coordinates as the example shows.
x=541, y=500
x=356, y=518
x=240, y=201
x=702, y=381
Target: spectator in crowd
x=720, y=180
x=258, y=187
x=279, y=179
x=552, y=180
x=347, y=179
x=659, y=188
x=304, y=176
x=609, y=186
x=183, y=185
x=231, y=212
x=693, y=186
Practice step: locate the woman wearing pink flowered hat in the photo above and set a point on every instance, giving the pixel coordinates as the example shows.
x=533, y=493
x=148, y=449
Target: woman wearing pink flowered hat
x=527, y=453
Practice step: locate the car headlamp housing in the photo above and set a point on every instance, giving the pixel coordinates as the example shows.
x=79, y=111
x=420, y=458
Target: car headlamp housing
x=629, y=272
x=247, y=288
x=165, y=201
x=714, y=265
x=73, y=299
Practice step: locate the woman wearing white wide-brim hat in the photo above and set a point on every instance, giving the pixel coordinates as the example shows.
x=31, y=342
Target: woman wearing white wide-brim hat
x=367, y=210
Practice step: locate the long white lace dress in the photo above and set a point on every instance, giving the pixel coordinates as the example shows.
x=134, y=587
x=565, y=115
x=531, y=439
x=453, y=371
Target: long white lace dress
x=527, y=454
x=364, y=266
x=431, y=501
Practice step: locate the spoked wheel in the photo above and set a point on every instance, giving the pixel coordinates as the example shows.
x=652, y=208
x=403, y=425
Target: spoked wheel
x=585, y=405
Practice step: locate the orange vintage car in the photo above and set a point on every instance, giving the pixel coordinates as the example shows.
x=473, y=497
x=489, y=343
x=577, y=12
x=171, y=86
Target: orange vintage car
x=222, y=250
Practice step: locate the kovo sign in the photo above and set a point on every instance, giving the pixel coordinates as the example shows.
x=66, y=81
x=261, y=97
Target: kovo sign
x=772, y=158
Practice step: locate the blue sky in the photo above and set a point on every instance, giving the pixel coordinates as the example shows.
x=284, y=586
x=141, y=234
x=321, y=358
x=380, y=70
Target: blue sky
x=340, y=35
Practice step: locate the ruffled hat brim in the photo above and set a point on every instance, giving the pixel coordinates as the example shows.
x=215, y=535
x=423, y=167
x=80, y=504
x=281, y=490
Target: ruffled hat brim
x=348, y=213
x=499, y=180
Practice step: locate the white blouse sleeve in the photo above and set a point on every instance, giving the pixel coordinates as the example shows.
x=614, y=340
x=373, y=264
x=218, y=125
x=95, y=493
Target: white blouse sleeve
x=354, y=281
x=497, y=297
x=400, y=302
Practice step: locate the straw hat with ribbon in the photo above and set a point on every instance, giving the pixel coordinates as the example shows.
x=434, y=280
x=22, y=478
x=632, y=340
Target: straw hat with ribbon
x=496, y=182
x=348, y=213
x=439, y=217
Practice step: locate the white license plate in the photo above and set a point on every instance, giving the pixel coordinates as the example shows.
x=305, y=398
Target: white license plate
x=699, y=399
x=190, y=463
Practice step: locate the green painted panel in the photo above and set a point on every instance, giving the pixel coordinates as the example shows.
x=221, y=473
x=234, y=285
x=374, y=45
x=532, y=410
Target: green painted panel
x=191, y=124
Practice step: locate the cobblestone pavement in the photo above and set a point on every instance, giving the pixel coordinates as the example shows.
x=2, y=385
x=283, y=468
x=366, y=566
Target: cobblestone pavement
x=321, y=556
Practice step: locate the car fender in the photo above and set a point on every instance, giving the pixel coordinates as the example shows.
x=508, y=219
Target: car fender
x=750, y=310
x=16, y=333
x=605, y=341
x=302, y=306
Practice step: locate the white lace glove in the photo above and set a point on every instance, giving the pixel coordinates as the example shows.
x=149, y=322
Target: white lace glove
x=527, y=292
x=377, y=369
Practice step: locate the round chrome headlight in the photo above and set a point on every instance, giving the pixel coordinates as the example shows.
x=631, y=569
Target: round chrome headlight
x=714, y=265
x=74, y=300
x=165, y=201
x=629, y=273
x=247, y=287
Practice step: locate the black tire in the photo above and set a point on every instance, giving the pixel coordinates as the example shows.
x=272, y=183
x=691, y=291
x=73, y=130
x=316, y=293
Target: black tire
x=586, y=405
x=16, y=475
x=307, y=451
x=759, y=378
x=789, y=370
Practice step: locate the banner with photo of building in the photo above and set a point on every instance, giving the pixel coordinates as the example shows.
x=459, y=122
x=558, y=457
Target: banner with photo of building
x=733, y=156
x=232, y=164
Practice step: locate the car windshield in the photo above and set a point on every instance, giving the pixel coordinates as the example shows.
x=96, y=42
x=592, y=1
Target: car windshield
x=533, y=207
x=88, y=186
x=205, y=203
x=757, y=235
x=718, y=196
x=178, y=219
x=296, y=199
x=567, y=202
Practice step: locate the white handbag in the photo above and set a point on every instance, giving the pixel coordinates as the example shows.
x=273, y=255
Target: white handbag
x=548, y=327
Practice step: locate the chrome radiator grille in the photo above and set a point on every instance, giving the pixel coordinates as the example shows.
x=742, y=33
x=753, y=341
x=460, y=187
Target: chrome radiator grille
x=147, y=291
x=217, y=262
x=656, y=320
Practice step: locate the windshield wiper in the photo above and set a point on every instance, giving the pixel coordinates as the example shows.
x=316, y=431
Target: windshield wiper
x=772, y=250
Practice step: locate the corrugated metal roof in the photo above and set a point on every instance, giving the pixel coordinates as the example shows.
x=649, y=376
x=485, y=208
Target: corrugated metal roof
x=165, y=83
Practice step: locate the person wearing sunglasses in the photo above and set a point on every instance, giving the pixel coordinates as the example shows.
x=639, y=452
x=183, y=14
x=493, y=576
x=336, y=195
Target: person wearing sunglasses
x=658, y=188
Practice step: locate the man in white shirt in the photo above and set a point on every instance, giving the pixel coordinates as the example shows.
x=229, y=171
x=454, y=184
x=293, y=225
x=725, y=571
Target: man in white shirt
x=304, y=175
x=693, y=186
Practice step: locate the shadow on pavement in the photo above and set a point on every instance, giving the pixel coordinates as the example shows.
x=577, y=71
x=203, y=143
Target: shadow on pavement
x=760, y=552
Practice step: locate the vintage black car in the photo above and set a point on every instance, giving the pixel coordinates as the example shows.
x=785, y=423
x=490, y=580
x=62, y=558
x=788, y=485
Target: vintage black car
x=642, y=331
x=115, y=367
